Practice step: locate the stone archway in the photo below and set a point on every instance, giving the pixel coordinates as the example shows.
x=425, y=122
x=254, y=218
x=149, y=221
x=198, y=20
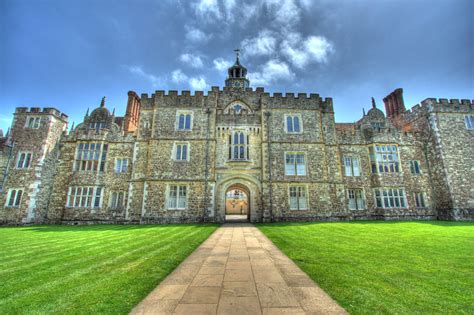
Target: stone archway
x=248, y=184
x=237, y=203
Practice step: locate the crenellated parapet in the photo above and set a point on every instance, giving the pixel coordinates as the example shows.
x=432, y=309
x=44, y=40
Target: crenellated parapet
x=41, y=111
x=220, y=97
x=408, y=119
x=451, y=105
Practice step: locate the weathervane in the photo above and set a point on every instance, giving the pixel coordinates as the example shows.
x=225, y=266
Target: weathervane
x=237, y=53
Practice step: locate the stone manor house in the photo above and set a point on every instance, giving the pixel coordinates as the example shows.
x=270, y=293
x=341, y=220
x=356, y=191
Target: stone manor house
x=242, y=151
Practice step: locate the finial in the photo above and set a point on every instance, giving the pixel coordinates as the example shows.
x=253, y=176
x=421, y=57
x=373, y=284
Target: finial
x=72, y=126
x=87, y=113
x=8, y=133
x=363, y=111
x=237, y=55
x=373, y=103
x=102, y=102
x=113, y=112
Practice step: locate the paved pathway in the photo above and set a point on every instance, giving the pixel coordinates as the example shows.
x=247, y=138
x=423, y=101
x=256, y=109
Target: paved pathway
x=237, y=270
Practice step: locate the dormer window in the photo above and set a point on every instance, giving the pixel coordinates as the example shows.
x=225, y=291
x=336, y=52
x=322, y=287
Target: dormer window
x=97, y=125
x=378, y=125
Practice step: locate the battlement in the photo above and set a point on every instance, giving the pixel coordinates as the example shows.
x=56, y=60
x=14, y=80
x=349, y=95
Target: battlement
x=288, y=95
x=216, y=89
x=276, y=99
x=445, y=101
x=442, y=105
x=44, y=111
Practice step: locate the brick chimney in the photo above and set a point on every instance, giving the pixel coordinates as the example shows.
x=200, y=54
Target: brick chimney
x=132, y=114
x=394, y=104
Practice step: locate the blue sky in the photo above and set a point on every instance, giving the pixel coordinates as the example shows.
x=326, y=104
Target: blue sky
x=68, y=54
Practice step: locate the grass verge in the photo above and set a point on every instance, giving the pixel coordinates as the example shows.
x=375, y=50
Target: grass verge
x=89, y=269
x=385, y=267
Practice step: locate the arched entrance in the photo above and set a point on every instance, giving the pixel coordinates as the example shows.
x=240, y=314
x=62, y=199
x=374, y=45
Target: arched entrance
x=237, y=203
x=249, y=184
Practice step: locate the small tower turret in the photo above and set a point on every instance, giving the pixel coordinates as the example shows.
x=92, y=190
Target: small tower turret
x=237, y=74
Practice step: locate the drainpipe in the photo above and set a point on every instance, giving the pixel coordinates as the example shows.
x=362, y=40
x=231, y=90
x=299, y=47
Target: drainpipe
x=270, y=187
x=206, y=170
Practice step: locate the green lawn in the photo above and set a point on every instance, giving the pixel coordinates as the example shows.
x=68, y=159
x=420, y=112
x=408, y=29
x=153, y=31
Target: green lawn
x=386, y=267
x=88, y=269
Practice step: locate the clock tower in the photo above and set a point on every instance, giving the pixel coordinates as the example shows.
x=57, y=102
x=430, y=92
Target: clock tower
x=237, y=74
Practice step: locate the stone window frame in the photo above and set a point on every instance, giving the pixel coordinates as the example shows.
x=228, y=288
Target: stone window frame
x=305, y=186
x=362, y=197
x=178, y=191
x=174, y=151
x=245, y=145
x=101, y=159
x=114, y=202
x=16, y=202
x=296, y=169
x=351, y=158
x=413, y=164
x=23, y=164
x=469, y=122
x=185, y=113
x=379, y=193
x=36, y=122
x=378, y=163
x=90, y=201
x=300, y=118
x=420, y=200
x=121, y=169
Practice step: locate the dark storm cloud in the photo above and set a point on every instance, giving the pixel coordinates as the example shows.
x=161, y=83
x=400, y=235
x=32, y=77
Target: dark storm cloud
x=69, y=54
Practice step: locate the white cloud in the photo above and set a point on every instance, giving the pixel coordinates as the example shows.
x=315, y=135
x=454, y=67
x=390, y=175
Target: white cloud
x=248, y=11
x=192, y=60
x=220, y=64
x=229, y=7
x=195, y=35
x=284, y=12
x=318, y=48
x=198, y=83
x=262, y=45
x=178, y=76
x=273, y=70
x=208, y=9
x=138, y=70
x=300, y=52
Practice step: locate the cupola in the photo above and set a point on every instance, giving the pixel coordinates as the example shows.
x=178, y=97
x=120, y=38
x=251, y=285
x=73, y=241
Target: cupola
x=237, y=74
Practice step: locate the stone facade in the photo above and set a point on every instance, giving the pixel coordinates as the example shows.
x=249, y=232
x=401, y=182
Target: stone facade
x=173, y=157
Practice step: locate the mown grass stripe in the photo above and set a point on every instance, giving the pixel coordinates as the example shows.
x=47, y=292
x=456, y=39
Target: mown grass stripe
x=80, y=244
x=386, y=267
x=93, y=269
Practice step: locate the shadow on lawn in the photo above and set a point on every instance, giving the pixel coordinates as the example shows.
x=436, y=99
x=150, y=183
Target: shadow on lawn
x=104, y=227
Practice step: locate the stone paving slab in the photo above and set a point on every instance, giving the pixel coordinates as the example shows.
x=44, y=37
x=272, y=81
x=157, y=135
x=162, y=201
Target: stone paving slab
x=238, y=270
